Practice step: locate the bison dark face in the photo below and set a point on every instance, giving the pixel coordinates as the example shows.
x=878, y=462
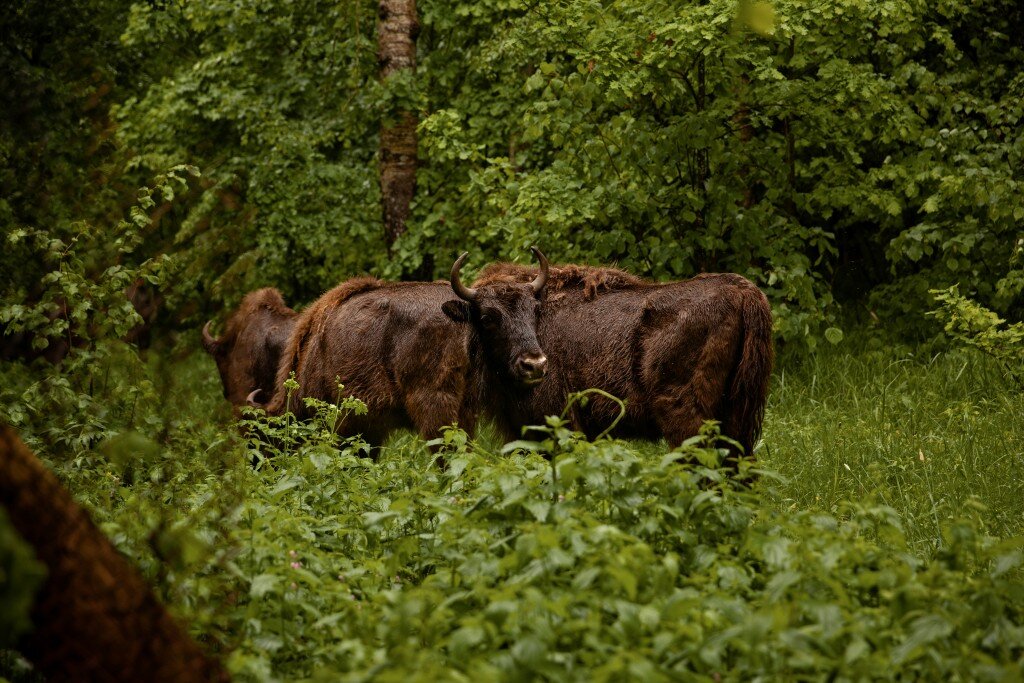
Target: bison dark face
x=505, y=319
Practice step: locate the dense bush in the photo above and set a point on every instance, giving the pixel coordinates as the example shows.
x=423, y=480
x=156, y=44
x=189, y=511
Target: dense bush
x=75, y=315
x=971, y=324
x=568, y=560
x=822, y=151
x=825, y=152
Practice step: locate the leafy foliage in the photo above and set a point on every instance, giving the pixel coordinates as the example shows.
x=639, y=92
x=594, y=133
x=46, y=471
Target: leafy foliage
x=970, y=323
x=566, y=559
x=826, y=151
x=61, y=69
x=81, y=306
x=683, y=138
x=278, y=104
x=82, y=299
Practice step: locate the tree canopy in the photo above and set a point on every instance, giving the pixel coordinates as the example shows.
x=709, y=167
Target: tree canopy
x=837, y=151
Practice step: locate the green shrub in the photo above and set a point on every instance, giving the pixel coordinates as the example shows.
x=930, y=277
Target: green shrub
x=559, y=559
x=971, y=324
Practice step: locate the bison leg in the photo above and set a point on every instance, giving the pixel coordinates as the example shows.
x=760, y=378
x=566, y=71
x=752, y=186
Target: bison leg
x=373, y=429
x=431, y=411
x=682, y=419
x=682, y=408
x=682, y=414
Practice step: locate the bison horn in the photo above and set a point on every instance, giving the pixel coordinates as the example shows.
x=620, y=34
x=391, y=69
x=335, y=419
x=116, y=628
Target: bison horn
x=209, y=341
x=250, y=400
x=463, y=292
x=542, y=278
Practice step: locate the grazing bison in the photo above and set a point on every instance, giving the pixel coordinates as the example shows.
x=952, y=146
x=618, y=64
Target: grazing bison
x=414, y=353
x=254, y=338
x=680, y=353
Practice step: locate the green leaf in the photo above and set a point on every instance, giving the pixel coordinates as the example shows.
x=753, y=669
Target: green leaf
x=834, y=335
x=263, y=584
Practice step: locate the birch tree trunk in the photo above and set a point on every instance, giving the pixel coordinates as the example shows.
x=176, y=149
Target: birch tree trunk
x=396, y=51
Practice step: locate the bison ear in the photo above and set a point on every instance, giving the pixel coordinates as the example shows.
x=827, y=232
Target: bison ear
x=456, y=310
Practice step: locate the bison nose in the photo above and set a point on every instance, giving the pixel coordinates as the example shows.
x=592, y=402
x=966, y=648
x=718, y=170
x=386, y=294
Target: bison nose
x=533, y=367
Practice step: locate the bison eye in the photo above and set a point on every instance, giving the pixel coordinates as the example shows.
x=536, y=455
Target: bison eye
x=488, y=318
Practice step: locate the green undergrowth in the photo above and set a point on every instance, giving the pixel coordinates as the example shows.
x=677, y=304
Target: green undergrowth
x=295, y=557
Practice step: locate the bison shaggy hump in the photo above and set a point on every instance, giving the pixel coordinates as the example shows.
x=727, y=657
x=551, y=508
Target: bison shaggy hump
x=590, y=279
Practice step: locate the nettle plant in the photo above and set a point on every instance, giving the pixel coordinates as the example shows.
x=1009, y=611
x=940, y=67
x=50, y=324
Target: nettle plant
x=269, y=436
x=567, y=559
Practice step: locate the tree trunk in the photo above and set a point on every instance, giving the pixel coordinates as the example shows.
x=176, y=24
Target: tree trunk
x=706, y=260
x=396, y=50
x=94, y=619
x=746, y=132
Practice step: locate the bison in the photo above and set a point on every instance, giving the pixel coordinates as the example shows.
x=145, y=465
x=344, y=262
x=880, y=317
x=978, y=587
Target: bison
x=250, y=350
x=419, y=354
x=679, y=353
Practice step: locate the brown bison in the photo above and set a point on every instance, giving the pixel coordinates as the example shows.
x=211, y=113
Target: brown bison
x=416, y=355
x=249, y=352
x=679, y=353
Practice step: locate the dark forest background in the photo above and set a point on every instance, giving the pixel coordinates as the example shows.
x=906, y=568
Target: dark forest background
x=848, y=157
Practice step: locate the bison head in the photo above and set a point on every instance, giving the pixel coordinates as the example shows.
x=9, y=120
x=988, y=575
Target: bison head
x=247, y=354
x=505, y=316
x=232, y=365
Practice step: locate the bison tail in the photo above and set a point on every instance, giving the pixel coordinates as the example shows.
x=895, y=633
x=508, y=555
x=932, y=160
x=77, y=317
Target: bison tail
x=749, y=391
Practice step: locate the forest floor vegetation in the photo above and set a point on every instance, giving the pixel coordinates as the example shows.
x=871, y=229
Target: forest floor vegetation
x=883, y=538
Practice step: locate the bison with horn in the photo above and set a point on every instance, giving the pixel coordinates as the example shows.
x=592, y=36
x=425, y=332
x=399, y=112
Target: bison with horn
x=679, y=353
x=249, y=352
x=419, y=354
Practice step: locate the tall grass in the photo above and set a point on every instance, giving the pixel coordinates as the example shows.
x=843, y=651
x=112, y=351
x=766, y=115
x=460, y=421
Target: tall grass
x=931, y=434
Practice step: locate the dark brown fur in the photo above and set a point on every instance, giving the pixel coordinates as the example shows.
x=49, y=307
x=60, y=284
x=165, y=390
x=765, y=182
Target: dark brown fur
x=680, y=353
x=254, y=338
x=414, y=353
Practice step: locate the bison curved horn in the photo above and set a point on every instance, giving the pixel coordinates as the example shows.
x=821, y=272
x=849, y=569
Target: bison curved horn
x=250, y=400
x=542, y=278
x=463, y=292
x=209, y=341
